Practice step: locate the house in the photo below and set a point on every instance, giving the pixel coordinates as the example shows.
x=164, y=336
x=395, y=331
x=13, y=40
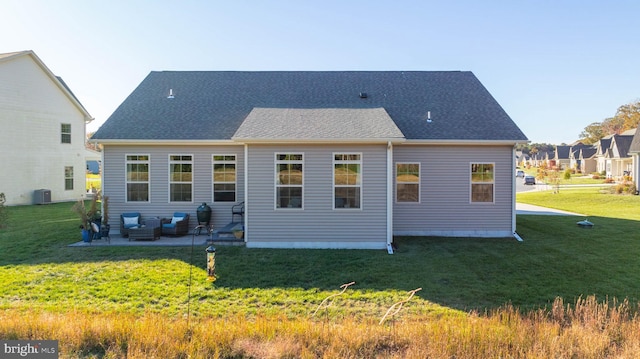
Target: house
x=620, y=161
x=634, y=152
x=561, y=157
x=43, y=133
x=344, y=159
x=587, y=159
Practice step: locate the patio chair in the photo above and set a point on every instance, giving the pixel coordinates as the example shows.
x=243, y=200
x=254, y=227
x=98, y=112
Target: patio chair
x=128, y=221
x=178, y=225
x=238, y=210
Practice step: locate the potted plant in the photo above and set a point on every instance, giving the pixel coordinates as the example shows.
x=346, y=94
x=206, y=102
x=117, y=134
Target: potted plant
x=239, y=233
x=105, y=227
x=85, y=224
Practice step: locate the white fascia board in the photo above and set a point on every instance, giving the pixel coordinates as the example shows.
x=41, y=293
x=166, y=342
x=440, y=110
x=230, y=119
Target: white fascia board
x=164, y=142
x=319, y=140
x=466, y=142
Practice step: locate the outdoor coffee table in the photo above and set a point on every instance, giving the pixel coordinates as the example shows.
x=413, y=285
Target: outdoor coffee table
x=149, y=230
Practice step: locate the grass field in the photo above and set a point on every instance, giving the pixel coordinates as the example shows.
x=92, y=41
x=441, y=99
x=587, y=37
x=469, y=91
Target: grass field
x=479, y=297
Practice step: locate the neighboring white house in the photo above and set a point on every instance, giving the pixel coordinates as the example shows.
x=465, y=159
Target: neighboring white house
x=42, y=135
x=344, y=159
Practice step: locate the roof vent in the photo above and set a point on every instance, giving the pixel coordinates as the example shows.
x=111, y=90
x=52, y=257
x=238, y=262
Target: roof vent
x=428, y=116
x=170, y=94
x=363, y=95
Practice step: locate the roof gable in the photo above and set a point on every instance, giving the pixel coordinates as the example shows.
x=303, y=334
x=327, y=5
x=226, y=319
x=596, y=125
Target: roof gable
x=55, y=79
x=212, y=105
x=635, y=143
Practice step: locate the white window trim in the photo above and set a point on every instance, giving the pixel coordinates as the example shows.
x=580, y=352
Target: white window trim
x=73, y=182
x=66, y=133
x=181, y=182
x=275, y=179
x=333, y=179
x=213, y=182
x=126, y=181
x=419, y=182
x=471, y=183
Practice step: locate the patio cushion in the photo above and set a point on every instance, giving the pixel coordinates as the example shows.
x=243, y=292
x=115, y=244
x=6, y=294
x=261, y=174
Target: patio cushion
x=168, y=225
x=130, y=221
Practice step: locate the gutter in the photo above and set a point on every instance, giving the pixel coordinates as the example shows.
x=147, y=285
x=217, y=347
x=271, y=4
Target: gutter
x=389, y=197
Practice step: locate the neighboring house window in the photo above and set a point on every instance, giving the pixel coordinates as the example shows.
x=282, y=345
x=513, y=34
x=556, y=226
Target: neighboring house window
x=65, y=133
x=289, y=180
x=408, y=182
x=137, y=178
x=224, y=178
x=347, y=180
x=180, y=178
x=68, y=178
x=482, y=182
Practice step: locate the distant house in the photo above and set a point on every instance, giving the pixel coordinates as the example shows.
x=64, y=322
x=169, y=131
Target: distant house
x=43, y=132
x=561, y=157
x=321, y=159
x=634, y=152
x=587, y=160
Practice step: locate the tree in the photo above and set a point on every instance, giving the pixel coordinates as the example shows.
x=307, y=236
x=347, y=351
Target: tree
x=629, y=114
x=592, y=133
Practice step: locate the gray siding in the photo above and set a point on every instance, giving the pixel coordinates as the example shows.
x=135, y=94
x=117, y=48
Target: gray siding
x=114, y=185
x=445, y=207
x=317, y=224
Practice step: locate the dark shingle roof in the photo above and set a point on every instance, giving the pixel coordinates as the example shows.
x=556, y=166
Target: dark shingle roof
x=212, y=105
x=635, y=143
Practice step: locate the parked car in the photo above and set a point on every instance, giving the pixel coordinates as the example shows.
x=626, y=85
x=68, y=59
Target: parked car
x=519, y=173
x=529, y=180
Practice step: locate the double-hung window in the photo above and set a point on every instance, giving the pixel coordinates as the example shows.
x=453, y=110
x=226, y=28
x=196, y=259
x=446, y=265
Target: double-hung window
x=65, y=133
x=137, y=178
x=289, y=180
x=482, y=182
x=180, y=178
x=68, y=178
x=224, y=178
x=407, y=182
x=347, y=180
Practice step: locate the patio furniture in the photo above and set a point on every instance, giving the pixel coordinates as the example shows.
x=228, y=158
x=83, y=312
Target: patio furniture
x=150, y=229
x=178, y=225
x=128, y=221
x=238, y=210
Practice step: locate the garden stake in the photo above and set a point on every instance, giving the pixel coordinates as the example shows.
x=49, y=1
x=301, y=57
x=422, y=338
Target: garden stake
x=344, y=287
x=398, y=305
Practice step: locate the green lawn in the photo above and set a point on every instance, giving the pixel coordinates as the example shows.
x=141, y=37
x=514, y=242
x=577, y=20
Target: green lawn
x=557, y=258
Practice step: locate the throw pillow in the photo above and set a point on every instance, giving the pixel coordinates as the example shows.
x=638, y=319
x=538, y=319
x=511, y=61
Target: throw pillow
x=130, y=220
x=176, y=219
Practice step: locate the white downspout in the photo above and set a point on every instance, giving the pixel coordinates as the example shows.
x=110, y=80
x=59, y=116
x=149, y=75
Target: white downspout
x=389, y=197
x=246, y=192
x=513, y=195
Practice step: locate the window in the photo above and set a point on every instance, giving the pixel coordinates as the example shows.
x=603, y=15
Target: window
x=482, y=181
x=289, y=180
x=347, y=180
x=65, y=133
x=224, y=178
x=408, y=182
x=180, y=178
x=68, y=178
x=137, y=178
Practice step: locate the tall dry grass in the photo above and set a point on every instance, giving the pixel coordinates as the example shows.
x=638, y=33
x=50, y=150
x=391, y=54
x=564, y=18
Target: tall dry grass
x=584, y=329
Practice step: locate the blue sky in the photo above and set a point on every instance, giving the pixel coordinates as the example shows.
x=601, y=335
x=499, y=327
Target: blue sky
x=554, y=66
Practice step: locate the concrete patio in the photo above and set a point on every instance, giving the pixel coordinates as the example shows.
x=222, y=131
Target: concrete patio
x=164, y=241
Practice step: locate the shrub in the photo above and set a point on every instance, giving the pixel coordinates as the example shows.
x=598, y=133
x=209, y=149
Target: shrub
x=609, y=180
x=595, y=176
x=626, y=187
x=567, y=174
